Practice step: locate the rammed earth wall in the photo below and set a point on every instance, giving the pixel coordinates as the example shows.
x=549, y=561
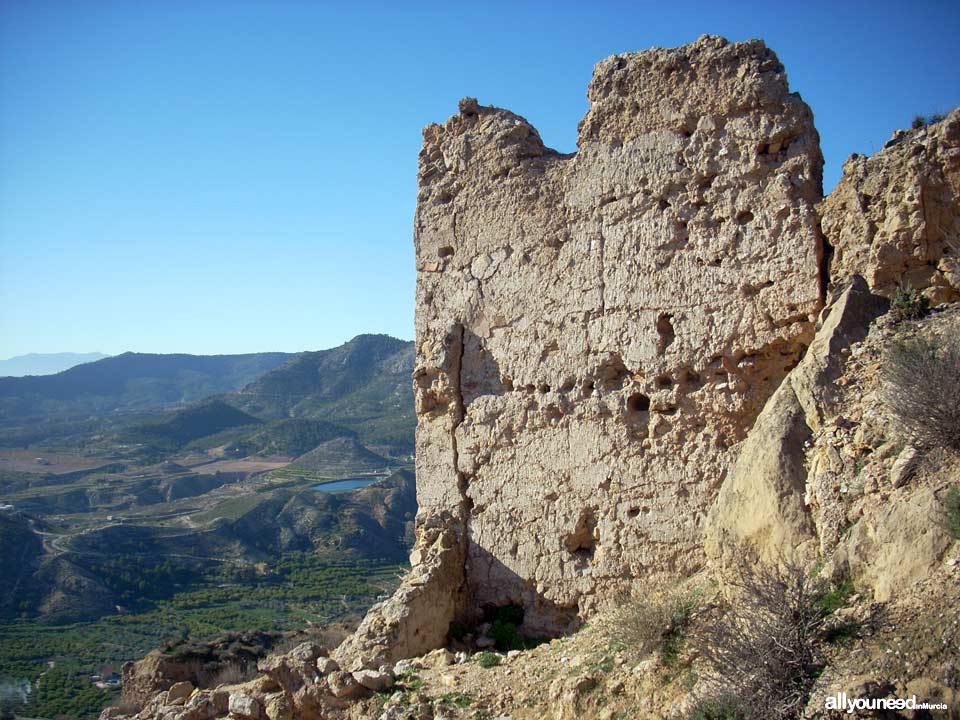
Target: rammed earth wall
x=595, y=330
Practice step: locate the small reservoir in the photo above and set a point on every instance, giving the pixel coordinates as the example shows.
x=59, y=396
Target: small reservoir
x=346, y=484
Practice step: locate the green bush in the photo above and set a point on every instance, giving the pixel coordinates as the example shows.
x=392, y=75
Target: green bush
x=457, y=699
x=488, y=659
x=951, y=512
x=512, y=614
x=456, y=632
x=506, y=636
x=832, y=599
x=908, y=304
x=922, y=390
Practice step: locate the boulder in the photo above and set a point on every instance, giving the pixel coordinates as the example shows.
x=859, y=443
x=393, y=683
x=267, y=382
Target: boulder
x=374, y=680
x=179, y=692
x=244, y=705
x=344, y=686
x=896, y=544
x=760, y=512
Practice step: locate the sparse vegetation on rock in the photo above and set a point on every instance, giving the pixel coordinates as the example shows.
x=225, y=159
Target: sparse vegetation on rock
x=922, y=389
x=766, y=651
x=951, y=512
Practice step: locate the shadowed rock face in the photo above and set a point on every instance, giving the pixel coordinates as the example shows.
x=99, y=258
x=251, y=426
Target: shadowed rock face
x=595, y=330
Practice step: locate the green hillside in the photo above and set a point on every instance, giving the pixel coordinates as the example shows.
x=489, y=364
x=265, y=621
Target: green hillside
x=196, y=421
x=294, y=436
x=339, y=456
x=364, y=385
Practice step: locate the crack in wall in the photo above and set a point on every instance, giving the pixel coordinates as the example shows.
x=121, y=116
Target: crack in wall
x=456, y=378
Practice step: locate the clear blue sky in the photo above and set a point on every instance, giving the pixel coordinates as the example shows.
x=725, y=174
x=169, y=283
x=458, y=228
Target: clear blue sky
x=237, y=176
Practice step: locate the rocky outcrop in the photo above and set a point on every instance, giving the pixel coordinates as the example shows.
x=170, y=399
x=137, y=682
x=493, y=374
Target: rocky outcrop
x=894, y=546
x=894, y=218
x=595, y=331
x=415, y=618
x=199, y=665
x=762, y=510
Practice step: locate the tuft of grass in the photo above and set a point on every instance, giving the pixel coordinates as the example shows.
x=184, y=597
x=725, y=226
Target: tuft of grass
x=722, y=707
x=834, y=598
x=843, y=633
x=457, y=699
x=410, y=681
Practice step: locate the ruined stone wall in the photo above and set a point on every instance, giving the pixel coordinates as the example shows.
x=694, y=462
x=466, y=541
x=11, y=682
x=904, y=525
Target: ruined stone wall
x=596, y=330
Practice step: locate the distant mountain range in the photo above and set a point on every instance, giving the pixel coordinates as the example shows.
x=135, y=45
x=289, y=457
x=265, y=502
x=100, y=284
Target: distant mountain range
x=45, y=363
x=280, y=402
x=131, y=381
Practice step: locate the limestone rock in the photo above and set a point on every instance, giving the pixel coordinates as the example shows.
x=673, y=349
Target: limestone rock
x=326, y=665
x=179, y=692
x=277, y=707
x=596, y=330
x=904, y=466
x=243, y=705
x=343, y=685
x=416, y=617
x=896, y=545
x=760, y=509
x=374, y=680
x=894, y=218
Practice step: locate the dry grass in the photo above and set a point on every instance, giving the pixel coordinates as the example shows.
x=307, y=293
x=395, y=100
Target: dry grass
x=922, y=390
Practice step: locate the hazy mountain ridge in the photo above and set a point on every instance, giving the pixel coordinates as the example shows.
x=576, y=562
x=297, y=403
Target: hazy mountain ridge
x=45, y=363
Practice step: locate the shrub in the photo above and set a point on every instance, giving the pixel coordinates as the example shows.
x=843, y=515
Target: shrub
x=922, y=390
x=832, y=599
x=920, y=121
x=722, y=707
x=506, y=636
x=657, y=624
x=765, y=653
x=230, y=673
x=488, y=659
x=456, y=632
x=457, y=699
x=951, y=512
x=908, y=304
x=843, y=632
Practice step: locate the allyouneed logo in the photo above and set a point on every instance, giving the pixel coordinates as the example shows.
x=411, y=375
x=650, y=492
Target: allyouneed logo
x=842, y=703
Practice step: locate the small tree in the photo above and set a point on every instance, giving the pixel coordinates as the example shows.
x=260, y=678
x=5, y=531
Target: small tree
x=922, y=390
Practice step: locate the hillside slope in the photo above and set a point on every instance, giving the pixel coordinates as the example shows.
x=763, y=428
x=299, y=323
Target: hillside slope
x=363, y=385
